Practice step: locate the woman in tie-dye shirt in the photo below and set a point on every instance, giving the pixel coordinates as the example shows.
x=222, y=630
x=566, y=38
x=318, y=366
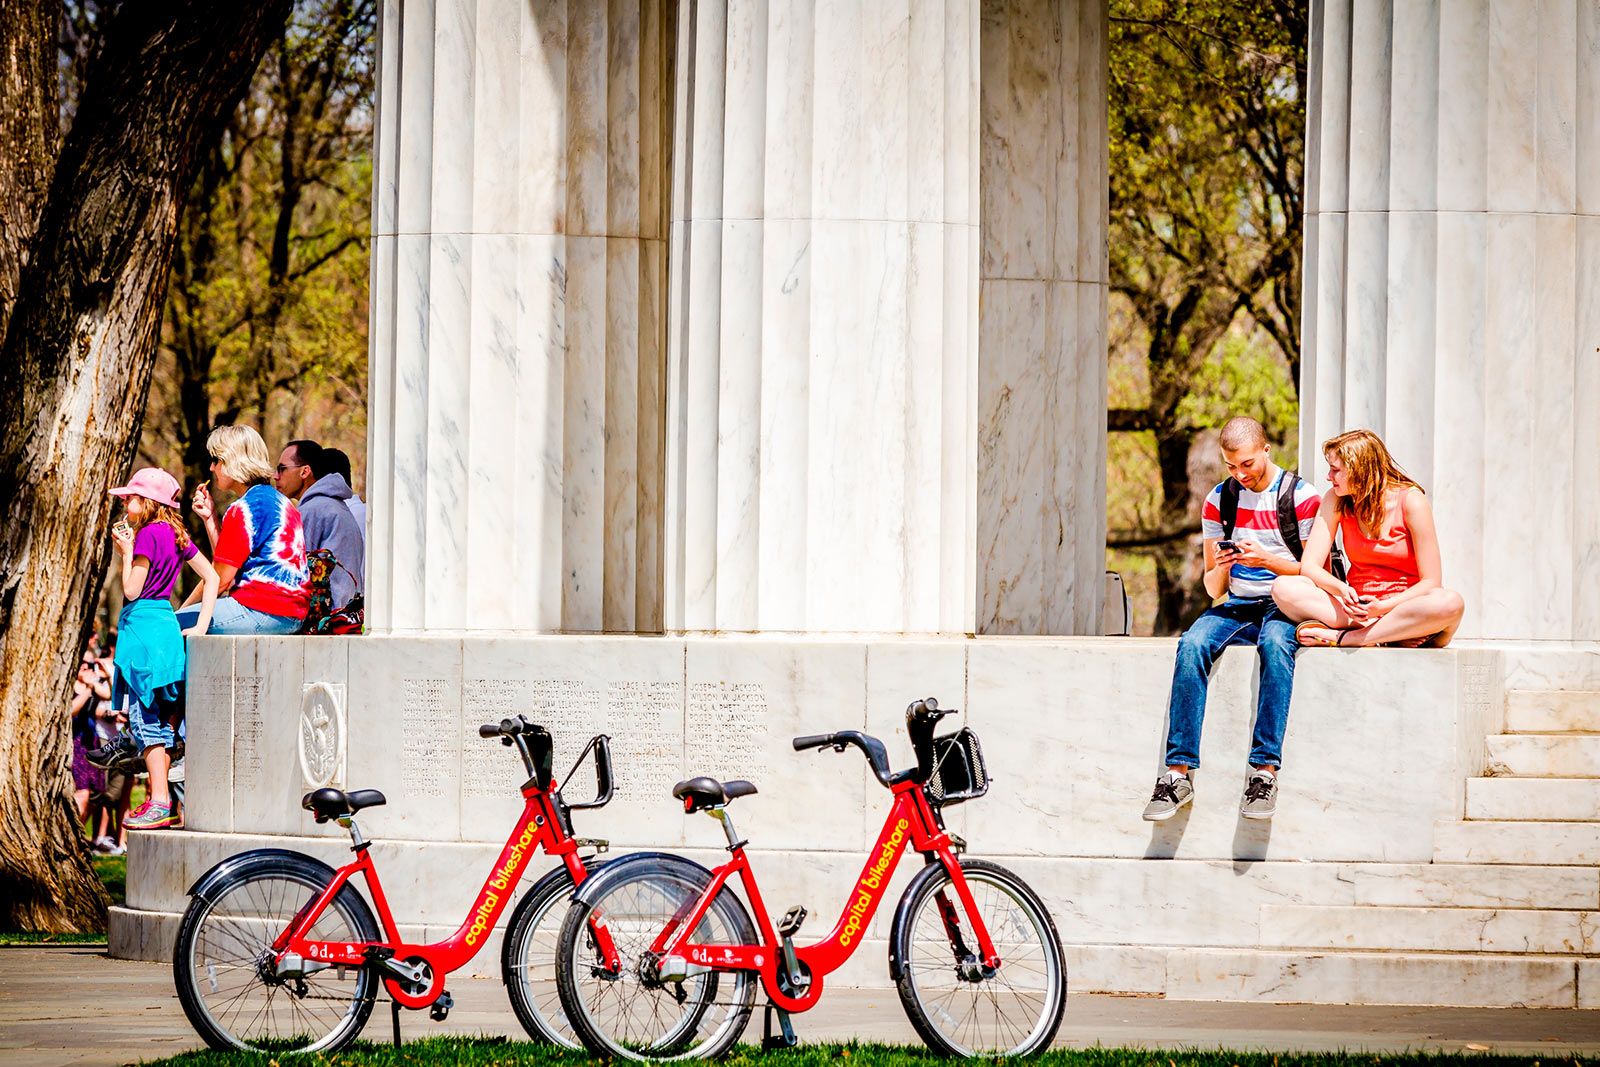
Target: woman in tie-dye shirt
x=259, y=550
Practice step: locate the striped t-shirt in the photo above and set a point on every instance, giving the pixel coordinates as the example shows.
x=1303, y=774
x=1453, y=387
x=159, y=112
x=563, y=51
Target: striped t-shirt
x=1258, y=523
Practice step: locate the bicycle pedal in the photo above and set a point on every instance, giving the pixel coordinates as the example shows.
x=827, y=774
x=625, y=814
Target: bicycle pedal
x=791, y=921
x=440, y=1008
x=785, y=1037
x=599, y=844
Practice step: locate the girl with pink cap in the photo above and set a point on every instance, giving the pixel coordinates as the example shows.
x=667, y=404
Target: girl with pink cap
x=150, y=662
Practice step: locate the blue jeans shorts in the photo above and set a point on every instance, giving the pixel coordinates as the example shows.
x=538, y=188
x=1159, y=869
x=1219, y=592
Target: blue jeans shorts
x=228, y=616
x=150, y=725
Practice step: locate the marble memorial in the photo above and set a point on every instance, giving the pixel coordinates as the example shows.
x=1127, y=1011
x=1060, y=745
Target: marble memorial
x=738, y=372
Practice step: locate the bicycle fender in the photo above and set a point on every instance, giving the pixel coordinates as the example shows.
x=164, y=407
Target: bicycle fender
x=901, y=914
x=618, y=868
x=280, y=859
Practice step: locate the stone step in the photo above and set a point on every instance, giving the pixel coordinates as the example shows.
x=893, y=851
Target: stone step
x=1534, y=799
x=1476, y=930
x=1541, y=711
x=1487, y=841
x=1545, y=755
x=1290, y=977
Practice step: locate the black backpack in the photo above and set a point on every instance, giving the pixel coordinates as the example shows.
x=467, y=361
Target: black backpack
x=1288, y=522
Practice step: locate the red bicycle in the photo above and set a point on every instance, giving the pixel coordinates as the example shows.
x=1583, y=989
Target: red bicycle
x=279, y=952
x=659, y=958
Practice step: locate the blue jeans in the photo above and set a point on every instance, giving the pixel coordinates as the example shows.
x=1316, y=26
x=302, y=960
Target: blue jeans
x=229, y=616
x=1236, y=621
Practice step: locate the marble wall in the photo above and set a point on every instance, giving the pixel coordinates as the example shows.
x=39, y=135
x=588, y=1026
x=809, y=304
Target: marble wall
x=1042, y=320
x=1452, y=283
x=518, y=331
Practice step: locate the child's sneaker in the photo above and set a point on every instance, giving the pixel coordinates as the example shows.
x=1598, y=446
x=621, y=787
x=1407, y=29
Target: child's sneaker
x=151, y=816
x=114, y=753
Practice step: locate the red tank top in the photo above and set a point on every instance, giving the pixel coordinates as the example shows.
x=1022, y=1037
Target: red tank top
x=1385, y=564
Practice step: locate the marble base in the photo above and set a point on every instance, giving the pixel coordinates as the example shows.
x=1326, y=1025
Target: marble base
x=1072, y=730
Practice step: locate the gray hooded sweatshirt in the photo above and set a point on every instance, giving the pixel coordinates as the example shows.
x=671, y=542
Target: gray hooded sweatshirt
x=329, y=524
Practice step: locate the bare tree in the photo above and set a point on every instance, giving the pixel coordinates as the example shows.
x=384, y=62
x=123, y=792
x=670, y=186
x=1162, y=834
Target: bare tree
x=84, y=254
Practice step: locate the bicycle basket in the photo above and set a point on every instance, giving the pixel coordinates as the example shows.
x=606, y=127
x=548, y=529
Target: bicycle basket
x=958, y=769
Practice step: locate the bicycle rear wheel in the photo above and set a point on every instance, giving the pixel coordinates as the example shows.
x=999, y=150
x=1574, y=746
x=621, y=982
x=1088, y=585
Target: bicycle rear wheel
x=959, y=1007
x=223, y=963
x=630, y=1012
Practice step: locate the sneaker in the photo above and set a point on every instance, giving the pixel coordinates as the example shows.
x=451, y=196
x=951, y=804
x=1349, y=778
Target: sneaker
x=103, y=845
x=117, y=850
x=151, y=816
x=1260, y=795
x=114, y=753
x=1173, y=791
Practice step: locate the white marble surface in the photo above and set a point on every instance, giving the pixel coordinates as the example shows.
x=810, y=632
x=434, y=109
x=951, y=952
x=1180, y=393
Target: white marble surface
x=1517, y=842
x=519, y=274
x=1450, y=269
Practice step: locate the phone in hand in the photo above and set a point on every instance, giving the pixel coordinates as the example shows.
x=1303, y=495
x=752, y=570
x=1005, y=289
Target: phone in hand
x=1226, y=545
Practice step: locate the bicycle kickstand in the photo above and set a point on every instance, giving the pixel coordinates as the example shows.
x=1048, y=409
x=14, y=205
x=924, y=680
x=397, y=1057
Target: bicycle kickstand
x=394, y=1010
x=786, y=1038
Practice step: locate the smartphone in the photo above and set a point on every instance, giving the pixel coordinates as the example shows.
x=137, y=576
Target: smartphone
x=1227, y=546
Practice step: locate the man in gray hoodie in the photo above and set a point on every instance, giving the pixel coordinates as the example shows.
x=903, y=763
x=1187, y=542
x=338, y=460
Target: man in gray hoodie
x=303, y=472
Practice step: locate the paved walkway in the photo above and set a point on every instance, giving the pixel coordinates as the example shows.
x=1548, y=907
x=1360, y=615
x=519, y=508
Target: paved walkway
x=73, y=1005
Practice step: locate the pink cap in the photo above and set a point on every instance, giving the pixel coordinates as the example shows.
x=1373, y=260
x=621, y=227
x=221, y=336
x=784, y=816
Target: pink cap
x=152, y=483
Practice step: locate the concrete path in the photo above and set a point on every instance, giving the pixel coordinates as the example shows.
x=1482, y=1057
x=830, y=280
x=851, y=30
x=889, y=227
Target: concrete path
x=73, y=1005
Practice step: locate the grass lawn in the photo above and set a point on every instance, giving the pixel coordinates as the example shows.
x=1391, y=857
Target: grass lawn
x=497, y=1052
x=113, y=872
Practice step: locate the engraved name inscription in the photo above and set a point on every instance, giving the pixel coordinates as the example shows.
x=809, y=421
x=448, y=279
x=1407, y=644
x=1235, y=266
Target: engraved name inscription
x=427, y=736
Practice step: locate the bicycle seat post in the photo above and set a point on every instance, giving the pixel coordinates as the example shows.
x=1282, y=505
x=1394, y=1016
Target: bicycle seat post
x=721, y=814
x=357, y=842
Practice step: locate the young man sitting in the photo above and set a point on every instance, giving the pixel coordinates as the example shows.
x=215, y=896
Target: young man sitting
x=1254, y=525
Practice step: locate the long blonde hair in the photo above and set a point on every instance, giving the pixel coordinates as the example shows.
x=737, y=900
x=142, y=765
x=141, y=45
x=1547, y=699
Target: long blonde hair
x=1371, y=473
x=168, y=514
x=242, y=453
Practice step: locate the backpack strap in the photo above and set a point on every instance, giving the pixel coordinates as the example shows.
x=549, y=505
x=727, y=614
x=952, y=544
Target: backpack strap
x=1230, y=507
x=1288, y=521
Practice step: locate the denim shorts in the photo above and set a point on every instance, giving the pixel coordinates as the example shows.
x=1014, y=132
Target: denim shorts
x=228, y=616
x=149, y=724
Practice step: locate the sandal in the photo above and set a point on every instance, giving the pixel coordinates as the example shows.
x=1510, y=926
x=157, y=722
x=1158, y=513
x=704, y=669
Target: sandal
x=1319, y=642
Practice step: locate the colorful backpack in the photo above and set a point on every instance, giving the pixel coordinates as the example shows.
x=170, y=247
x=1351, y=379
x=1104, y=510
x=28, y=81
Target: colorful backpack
x=321, y=618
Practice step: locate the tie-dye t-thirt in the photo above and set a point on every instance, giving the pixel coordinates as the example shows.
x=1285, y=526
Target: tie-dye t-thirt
x=261, y=535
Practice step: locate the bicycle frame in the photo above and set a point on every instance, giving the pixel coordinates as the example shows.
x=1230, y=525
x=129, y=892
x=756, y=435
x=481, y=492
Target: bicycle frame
x=911, y=820
x=539, y=827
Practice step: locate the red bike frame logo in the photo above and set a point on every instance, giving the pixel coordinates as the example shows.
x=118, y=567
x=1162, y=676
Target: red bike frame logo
x=504, y=878
x=872, y=880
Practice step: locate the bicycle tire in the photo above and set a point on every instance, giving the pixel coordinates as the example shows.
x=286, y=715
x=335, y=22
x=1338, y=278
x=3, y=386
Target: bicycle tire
x=620, y=1015
x=942, y=986
x=226, y=934
x=531, y=982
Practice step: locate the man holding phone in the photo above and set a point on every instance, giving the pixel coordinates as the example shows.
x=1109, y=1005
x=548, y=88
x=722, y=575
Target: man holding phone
x=1253, y=526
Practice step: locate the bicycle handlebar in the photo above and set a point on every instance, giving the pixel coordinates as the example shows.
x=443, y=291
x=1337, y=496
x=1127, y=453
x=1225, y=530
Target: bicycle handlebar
x=921, y=718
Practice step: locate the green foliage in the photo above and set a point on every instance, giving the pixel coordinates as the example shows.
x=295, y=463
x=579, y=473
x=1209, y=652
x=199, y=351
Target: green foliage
x=1245, y=375
x=498, y=1052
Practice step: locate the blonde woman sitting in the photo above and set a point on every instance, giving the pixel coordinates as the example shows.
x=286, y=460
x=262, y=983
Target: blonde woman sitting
x=1395, y=594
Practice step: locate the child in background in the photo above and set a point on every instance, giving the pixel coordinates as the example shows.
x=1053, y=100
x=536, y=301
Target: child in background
x=150, y=656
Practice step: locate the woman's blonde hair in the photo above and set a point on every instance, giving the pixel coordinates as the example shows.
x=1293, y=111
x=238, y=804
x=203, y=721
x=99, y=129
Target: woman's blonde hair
x=242, y=453
x=1370, y=472
x=166, y=513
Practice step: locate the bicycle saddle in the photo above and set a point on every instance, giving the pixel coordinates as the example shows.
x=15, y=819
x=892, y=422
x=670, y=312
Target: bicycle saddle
x=329, y=803
x=701, y=793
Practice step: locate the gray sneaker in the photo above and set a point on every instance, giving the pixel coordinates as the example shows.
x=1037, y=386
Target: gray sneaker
x=1172, y=792
x=1260, y=795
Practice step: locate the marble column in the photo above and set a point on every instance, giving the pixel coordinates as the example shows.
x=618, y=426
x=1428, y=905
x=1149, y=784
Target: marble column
x=1452, y=283
x=825, y=372
x=517, y=338
x=1042, y=325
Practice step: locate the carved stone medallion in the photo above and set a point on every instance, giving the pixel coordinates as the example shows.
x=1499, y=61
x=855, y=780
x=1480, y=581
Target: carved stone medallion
x=322, y=734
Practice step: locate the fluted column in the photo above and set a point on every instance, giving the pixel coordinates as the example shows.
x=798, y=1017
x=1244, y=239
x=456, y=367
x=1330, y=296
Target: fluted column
x=1042, y=342
x=1452, y=283
x=518, y=274
x=829, y=468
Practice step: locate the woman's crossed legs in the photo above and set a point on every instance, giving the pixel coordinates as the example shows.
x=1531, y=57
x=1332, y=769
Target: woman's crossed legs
x=1431, y=618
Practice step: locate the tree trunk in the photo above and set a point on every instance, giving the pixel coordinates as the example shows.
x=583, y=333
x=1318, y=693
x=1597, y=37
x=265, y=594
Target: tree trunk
x=74, y=372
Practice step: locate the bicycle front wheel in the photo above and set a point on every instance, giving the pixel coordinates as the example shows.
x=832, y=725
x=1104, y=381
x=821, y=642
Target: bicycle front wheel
x=232, y=989
x=528, y=961
x=629, y=1011
x=958, y=1006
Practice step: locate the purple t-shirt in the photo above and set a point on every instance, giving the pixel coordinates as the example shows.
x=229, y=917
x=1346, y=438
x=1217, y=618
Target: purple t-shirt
x=156, y=542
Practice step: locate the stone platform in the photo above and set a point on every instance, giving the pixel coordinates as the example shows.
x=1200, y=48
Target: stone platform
x=1392, y=873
